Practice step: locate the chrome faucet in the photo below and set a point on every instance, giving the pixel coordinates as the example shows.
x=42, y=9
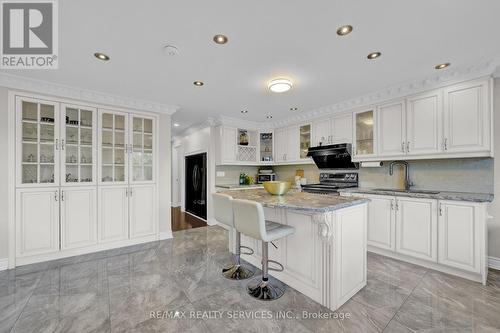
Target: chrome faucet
x=408, y=182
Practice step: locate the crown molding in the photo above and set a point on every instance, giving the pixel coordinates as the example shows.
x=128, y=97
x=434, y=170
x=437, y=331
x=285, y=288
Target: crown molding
x=209, y=122
x=59, y=90
x=440, y=80
x=496, y=73
x=235, y=122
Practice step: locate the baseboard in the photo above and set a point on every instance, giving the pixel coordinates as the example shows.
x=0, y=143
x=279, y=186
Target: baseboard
x=165, y=235
x=212, y=221
x=175, y=204
x=4, y=264
x=494, y=263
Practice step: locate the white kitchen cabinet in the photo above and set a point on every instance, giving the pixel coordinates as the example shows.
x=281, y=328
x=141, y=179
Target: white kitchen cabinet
x=424, y=119
x=467, y=117
x=228, y=144
x=382, y=222
x=78, y=217
x=37, y=221
x=342, y=129
x=142, y=210
x=322, y=132
x=114, y=147
x=142, y=138
x=416, y=228
x=391, y=129
x=113, y=213
x=292, y=144
x=460, y=235
x=364, y=135
x=280, y=136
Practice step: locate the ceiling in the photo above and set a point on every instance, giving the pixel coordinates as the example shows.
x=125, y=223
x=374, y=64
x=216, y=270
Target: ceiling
x=267, y=39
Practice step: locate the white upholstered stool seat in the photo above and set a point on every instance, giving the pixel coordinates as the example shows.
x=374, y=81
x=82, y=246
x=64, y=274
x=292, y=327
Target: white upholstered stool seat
x=223, y=212
x=249, y=219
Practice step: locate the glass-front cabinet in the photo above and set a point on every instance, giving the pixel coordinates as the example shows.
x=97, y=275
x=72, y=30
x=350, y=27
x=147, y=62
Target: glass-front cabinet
x=142, y=138
x=266, y=147
x=37, y=142
x=305, y=140
x=78, y=145
x=364, y=125
x=114, y=148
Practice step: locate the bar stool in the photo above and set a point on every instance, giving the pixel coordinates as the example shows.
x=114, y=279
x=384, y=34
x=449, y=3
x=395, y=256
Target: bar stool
x=249, y=220
x=223, y=211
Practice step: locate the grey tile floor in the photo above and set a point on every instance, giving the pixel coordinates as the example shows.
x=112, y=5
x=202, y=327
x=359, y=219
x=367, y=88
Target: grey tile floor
x=117, y=290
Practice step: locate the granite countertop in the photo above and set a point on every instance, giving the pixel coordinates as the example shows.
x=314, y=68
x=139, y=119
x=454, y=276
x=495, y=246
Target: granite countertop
x=296, y=200
x=238, y=186
x=444, y=195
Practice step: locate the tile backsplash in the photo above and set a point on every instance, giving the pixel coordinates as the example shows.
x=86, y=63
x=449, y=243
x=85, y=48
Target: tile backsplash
x=462, y=175
x=232, y=173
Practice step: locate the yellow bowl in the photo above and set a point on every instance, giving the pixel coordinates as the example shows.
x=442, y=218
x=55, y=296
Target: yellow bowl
x=277, y=188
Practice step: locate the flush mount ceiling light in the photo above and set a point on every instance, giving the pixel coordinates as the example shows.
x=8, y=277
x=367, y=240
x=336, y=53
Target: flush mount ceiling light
x=101, y=56
x=269, y=117
x=280, y=85
x=220, y=39
x=374, y=55
x=294, y=109
x=198, y=83
x=176, y=125
x=442, y=66
x=244, y=111
x=344, y=30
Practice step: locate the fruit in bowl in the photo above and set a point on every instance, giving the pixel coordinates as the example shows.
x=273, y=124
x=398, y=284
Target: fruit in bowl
x=277, y=187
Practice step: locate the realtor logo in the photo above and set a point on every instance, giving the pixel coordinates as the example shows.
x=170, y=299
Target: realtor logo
x=29, y=34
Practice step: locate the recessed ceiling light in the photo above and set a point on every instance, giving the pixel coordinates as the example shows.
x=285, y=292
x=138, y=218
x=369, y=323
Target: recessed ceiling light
x=176, y=125
x=198, y=83
x=442, y=66
x=280, y=85
x=269, y=117
x=171, y=50
x=220, y=39
x=101, y=56
x=244, y=111
x=294, y=109
x=344, y=30
x=374, y=55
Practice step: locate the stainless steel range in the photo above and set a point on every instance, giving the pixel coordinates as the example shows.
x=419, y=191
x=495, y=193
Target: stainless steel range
x=330, y=183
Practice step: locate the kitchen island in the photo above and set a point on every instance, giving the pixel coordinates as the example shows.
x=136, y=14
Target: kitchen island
x=326, y=257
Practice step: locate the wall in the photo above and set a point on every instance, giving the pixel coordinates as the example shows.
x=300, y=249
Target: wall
x=232, y=173
x=4, y=188
x=164, y=176
x=494, y=226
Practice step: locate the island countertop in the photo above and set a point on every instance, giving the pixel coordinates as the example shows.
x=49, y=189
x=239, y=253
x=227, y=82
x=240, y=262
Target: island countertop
x=309, y=202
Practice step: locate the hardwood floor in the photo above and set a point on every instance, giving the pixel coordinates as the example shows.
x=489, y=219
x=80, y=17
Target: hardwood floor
x=183, y=221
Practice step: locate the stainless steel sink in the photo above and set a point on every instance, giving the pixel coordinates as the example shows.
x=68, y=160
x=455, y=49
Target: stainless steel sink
x=405, y=191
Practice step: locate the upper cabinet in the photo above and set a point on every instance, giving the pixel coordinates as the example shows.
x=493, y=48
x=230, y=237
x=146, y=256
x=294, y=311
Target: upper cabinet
x=142, y=137
x=329, y=131
x=114, y=147
x=392, y=128
x=322, y=132
x=38, y=142
x=237, y=146
x=364, y=134
x=467, y=114
x=305, y=140
x=266, y=145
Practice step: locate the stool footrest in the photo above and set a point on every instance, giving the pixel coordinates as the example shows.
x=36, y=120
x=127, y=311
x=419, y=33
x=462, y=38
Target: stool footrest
x=250, y=250
x=280, y=269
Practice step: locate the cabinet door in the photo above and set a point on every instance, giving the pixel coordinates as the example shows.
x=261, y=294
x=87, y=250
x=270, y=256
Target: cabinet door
x=266, y=147
x=392, y=129
x=381, y=222
x=364, y=134
x=416, y=228
x=78, y=217
x=459, y=235
x=113, y=213
x=37, y=221
x=292, y=153
x=305, y=139
x=143, y=143
x=280, y=144
x=424, y=119
x=114, y=147
x=37, y=140
x=467, y=113
x=322, y=132
x=342, y=129
x=78, y=145
x=228, y=144
x=142, y=210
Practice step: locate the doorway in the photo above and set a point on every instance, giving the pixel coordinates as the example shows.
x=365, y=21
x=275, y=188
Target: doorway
x=196, y=185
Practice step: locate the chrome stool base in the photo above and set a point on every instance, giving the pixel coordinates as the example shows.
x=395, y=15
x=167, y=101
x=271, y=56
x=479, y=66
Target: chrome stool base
x=237, y=272
x=264, y=290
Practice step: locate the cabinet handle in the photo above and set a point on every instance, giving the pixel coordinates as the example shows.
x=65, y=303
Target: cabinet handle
x=403, y=146
x=62, y=195
x=57, y=144
x=397, y=205
x=445, y=143
x=56, y=195
x=392, y=204
x=408, y=146
x=131, y=192
x=440, y=210
x=62, y=144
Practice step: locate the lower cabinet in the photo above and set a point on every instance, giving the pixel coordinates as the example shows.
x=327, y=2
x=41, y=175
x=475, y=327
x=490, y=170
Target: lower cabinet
x=382, y=223
x=142, y=210
x=416, y=228
x=37, y=221
x=113, y=213
x=461, y=231
x=78, y=217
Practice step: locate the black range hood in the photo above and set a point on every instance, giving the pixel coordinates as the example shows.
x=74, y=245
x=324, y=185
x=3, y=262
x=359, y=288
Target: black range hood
x=333, y=156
